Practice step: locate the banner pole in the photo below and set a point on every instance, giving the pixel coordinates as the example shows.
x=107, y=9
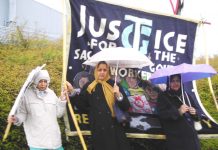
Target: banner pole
x=7, y=131
x=64, y=76
x=76, y=123
x=207, y=62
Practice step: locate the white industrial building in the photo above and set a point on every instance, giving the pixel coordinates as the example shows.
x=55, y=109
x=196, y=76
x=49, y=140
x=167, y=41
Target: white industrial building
x=33, y=18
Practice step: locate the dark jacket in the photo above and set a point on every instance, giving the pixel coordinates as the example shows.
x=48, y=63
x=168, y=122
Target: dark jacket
x=179, y=130
x=107, y=133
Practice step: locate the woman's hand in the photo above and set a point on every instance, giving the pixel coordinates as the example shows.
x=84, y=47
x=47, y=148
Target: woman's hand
x=192, y=110
x=117, y=93
x=63, y=96
x=116, y=90
x=183, y=109
x=69, y=87
x=12, y=119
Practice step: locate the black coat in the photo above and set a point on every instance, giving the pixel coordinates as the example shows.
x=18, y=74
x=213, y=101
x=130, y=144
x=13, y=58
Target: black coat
x=107, y=133
x=180, y=132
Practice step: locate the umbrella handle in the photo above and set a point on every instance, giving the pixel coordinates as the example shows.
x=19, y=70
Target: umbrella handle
x=183, y=99
x=188, y=99
x=115, y=79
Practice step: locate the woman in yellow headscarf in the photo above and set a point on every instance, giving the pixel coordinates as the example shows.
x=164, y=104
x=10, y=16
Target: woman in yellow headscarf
x=98, y=98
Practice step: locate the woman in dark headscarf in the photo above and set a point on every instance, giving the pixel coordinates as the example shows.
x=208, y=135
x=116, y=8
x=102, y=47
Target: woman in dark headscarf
x=99, y=97
x=177, y=117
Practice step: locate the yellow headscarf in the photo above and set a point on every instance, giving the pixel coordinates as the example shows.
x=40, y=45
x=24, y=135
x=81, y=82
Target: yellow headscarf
x=107, y=89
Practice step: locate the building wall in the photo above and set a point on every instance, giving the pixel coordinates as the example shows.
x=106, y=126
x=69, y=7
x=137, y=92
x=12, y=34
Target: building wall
x=4, y=9
x=38, y=18
x=32, y=16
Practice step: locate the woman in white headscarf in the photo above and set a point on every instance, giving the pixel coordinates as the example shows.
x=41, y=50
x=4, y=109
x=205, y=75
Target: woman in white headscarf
x=38, y=112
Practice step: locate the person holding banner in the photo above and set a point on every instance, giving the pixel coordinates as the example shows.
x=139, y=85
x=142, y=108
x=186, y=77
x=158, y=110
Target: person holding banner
x=38, y=112
x=151, y=93
x=99, y=98
x=177, y=116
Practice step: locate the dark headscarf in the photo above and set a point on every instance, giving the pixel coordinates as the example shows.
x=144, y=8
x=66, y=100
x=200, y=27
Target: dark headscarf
x=171, y=91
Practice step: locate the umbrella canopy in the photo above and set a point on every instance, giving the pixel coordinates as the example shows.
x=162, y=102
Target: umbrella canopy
x=189, y=72
x=124, y=57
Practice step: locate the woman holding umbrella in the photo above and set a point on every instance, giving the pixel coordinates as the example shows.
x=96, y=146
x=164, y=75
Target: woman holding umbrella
x=177, y=116
x=98, y=98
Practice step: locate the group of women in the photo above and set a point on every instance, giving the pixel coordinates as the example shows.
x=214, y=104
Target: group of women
x=177, y=114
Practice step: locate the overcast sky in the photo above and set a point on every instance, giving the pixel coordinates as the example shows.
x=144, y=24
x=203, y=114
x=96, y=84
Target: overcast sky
x=195, y=9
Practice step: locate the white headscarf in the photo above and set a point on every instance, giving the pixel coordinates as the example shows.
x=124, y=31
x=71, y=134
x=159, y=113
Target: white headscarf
x=42, y=75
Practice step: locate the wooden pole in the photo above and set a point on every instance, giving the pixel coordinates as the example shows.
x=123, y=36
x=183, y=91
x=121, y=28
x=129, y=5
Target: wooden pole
x=76, y=123
x=64, y=76
x=207, y=62
x=7, y=131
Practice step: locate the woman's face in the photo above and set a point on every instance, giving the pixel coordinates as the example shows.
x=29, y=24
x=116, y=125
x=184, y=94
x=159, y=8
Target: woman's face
x=83, y=81
x=151, y=93
x=42, y=85
x=132, y=82
x=102, y=71
x=175, y=83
